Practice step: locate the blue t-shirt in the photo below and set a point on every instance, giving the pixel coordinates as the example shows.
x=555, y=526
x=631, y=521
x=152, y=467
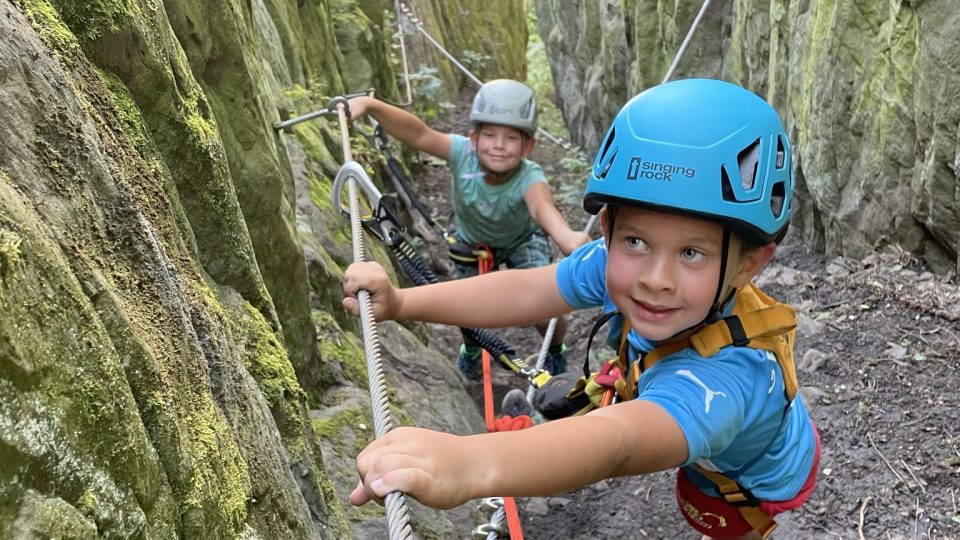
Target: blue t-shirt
x=495, y=215
x=731, y=407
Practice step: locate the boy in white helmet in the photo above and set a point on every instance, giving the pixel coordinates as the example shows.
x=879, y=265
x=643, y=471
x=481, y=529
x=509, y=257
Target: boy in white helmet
x=500, y=198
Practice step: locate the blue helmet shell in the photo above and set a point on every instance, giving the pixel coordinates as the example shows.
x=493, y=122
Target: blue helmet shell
x=699, y=147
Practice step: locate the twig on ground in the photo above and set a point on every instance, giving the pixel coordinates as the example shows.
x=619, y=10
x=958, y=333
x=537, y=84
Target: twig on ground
x=884, y=458
x=915, y=421
x=920, y=481
x=916, y=520
x=863, y=511
x=947, y=330
x=918, y=336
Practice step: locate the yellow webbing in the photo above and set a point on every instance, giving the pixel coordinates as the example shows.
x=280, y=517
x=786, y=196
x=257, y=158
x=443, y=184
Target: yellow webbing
x=731, y=491
x=767, y=325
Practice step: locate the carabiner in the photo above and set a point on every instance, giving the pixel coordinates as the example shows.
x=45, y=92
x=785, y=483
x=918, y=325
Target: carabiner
x=383, y=222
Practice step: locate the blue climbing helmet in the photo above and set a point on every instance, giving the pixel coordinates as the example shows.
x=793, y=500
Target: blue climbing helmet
x=699, y=147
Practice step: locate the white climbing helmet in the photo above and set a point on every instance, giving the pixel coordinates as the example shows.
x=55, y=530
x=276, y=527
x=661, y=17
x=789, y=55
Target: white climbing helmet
x=505, y=102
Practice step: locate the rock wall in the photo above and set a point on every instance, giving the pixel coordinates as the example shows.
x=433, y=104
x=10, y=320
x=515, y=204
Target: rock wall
x=174, y=360
x=872, y=110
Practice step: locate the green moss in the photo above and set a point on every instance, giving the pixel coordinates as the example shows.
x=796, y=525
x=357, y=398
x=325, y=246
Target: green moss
x=91, y=19
x=341, y=347
x=46, y=20
x=130, y=120
x=267, y=361
x=344, y=424
x=219, y=474
x=202, y=130
x=10, y=242
x=297, y=93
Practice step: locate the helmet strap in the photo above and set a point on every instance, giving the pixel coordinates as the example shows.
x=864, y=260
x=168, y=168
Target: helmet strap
x=716, y=309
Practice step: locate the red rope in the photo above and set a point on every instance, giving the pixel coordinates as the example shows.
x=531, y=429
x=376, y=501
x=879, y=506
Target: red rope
x=505, y=423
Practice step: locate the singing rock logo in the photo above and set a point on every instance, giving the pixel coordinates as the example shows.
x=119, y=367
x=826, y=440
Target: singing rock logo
x=653, y=170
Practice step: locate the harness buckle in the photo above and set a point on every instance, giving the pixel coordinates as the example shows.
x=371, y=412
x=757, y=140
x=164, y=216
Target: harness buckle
x=737, y=332
x=741, y=497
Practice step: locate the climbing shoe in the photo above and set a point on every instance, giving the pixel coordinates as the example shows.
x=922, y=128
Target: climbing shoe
x=469, y=361
x=556, y=361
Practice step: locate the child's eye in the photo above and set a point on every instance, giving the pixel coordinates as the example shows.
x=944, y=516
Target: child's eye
x=635, y=242
x=691, y=254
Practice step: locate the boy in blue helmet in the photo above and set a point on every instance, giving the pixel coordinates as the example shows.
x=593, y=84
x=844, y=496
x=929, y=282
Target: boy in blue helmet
x=500, y=198
x=693, y=184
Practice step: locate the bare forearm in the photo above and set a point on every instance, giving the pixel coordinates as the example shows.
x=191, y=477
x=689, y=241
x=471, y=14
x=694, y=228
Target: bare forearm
x=552, y=222
x=405, y=126
x=500, y=299
x=576, y=452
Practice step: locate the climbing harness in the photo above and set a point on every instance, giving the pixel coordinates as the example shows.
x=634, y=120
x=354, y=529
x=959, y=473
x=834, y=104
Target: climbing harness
x=757, y=321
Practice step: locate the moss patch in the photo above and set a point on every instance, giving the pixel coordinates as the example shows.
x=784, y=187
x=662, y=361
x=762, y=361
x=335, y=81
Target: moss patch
x=267, y=361
x=46, y=20
x=220, y=477
x=91, y=19
x=342, y=348
x=10, y=242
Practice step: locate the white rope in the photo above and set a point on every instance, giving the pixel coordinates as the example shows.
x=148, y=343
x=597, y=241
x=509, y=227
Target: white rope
x=686, y=41
x=552, y=327
x=398, y=520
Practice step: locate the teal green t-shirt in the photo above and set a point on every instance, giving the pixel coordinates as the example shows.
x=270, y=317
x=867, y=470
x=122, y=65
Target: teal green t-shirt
x=495, y=215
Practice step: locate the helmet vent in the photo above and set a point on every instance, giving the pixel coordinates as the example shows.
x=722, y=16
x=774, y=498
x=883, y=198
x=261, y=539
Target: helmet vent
x=612, y=134
x=480, y=105
x=725, y=187
x=606, y=166
x=781, y=152
x=748, y=159
x=777, y=197
x=525, y=109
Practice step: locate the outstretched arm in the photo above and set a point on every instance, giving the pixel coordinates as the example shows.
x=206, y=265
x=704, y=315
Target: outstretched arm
x=443, y=470
x=498, y=299
x=540, y=204
x=406, y=127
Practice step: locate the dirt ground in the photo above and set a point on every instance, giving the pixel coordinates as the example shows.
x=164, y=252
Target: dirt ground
x=878, y=351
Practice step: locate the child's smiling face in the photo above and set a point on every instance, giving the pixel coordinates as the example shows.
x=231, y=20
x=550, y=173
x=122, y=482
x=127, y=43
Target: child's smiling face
x=663, y=269
x=500, y=148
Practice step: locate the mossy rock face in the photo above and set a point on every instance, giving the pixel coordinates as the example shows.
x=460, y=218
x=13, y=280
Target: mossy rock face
x=128, y=401
x=168, y=262
x=871, y=111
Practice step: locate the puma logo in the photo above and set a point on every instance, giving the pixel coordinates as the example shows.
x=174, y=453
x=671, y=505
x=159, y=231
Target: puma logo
x=708, y=393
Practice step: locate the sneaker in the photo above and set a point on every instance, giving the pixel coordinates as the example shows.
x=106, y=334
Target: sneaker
x=469, y=361
x=556, y=362
x=515, y=404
